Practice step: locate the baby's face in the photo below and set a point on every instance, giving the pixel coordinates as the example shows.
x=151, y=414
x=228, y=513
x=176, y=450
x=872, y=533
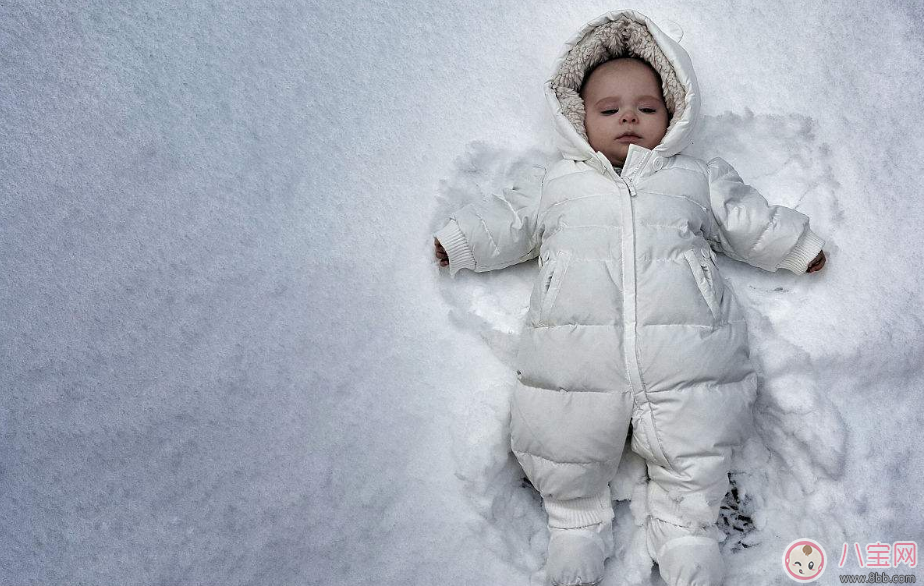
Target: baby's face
x=623, y=96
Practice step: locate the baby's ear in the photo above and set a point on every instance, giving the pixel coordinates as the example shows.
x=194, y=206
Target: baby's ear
x=672, y=29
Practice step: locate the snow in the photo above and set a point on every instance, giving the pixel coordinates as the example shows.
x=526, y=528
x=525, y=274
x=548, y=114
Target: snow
x=229, y=357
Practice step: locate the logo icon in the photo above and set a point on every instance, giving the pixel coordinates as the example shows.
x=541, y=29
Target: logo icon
x=804, y=560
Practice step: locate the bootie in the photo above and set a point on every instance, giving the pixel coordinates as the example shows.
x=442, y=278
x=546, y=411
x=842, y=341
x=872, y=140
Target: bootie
x=576, y=556
x=691, y=561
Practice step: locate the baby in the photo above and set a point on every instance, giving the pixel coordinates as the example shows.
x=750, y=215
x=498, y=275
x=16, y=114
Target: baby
x=629, y=321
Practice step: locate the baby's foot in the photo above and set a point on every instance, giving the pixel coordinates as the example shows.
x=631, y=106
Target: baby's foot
x=576, y=556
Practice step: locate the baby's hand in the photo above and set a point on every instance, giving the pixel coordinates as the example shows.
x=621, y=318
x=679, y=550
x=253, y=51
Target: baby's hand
x=817, y=263
x=441, y=253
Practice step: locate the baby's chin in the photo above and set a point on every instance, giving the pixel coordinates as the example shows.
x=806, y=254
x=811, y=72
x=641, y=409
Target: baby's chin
x=616, y=159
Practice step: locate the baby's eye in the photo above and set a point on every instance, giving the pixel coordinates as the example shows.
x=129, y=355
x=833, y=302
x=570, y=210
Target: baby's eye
x=646, y=110
x=811, y=565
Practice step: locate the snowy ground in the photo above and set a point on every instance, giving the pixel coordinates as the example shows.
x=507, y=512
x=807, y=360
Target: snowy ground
x=228, y=356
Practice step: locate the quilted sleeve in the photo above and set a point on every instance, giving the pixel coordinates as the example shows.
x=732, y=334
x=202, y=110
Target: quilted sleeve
x=750, y=230
x=495, y=232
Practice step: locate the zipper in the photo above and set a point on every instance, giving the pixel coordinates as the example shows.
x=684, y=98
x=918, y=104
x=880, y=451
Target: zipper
x=708, y=254
x=609, y=170
x=630, y=322
x=705, y=279
x=552, y=285
x=707, y=271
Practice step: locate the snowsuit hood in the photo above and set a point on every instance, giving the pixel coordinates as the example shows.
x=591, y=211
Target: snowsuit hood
x=623, y=33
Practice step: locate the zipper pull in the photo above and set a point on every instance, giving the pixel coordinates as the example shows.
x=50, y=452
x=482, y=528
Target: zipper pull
x=631, y=187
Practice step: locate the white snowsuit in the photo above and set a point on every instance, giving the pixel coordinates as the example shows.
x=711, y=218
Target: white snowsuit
x=629, y=319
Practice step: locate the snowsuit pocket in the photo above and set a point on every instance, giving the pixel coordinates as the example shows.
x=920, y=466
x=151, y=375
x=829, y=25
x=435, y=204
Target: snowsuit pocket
x=701, y=265
x=551, y=284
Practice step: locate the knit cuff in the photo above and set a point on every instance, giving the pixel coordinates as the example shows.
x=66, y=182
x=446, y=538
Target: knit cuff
x=457, y=248
x=582, y=512
x=805, y=251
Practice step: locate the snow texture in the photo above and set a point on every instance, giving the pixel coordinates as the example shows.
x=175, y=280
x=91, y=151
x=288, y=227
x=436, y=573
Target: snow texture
x=229, y=356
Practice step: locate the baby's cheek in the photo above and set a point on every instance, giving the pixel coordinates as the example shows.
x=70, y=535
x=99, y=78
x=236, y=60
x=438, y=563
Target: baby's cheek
x=592, y=136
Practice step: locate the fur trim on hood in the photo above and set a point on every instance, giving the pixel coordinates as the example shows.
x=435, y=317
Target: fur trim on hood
x=623, y=33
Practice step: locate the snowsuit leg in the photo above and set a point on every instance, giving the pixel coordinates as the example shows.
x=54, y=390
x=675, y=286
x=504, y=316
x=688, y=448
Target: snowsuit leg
x=569, y=444
x=684, y=504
